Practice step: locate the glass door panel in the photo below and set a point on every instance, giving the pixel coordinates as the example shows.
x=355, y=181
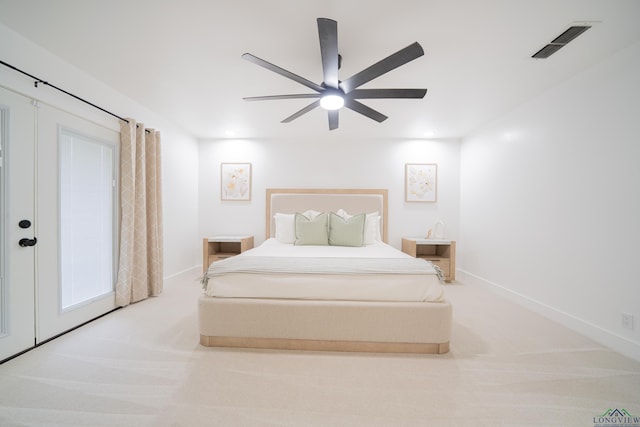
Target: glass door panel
x=76, y=193
x=86, y=218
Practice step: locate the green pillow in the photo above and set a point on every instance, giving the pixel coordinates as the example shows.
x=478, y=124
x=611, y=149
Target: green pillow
x=346, y=232
x=311, y=231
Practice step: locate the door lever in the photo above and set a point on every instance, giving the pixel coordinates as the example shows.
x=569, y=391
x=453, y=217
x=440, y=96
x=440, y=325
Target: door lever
x=27, y=242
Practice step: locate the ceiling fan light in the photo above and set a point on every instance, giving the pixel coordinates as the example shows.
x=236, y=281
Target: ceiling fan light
x=332, y=102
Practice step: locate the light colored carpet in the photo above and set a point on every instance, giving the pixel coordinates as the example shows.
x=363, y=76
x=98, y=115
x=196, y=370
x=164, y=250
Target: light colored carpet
x=143, y=366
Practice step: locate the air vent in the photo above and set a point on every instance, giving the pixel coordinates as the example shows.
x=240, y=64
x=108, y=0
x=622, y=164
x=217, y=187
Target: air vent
x=547, y=51
x=560, y=41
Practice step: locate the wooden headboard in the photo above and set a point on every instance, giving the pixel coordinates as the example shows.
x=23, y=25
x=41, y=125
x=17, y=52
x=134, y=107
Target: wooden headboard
x=292, y=200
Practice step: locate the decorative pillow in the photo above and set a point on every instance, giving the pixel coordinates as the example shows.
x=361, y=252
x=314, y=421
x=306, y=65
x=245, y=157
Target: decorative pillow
x=371, y=226
x=311, y=214
x=285, y=228
x=286, y=225
x=346, y=232
x=311, y=231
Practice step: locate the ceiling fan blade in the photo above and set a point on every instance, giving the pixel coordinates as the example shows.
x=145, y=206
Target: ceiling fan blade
x=328, y=34
x=302, y=111
x=333, y=119
x=389, y=63
x=386, y=93
x=288, y=74
x=276, y=97
x=364, y=110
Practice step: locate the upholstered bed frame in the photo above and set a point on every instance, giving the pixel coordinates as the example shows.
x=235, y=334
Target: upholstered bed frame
x=397, y=327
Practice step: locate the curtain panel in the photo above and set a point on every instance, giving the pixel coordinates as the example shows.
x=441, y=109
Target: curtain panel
x=140, y=268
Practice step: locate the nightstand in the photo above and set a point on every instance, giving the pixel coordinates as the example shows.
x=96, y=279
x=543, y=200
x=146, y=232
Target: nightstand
x=221, y=247
x=440, y=252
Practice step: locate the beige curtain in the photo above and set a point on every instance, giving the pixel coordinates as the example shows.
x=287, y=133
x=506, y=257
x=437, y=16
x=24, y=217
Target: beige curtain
x=140, y=269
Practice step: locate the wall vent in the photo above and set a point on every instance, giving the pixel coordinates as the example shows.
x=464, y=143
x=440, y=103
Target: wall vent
x=561, y=41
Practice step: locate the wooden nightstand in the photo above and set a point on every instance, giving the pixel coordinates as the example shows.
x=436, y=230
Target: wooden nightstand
x=220, y=247
x=440, y=252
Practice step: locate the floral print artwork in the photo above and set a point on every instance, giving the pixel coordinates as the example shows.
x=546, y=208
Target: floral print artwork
x=236, y=181
x=420, y=182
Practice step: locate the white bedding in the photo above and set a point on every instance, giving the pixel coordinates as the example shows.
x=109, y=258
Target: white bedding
x=330, y=278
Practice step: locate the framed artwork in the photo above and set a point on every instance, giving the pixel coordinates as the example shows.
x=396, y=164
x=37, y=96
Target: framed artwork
x=420, y=182
x=235, y=181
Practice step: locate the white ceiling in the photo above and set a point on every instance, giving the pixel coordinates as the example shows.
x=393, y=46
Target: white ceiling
x=182, y=58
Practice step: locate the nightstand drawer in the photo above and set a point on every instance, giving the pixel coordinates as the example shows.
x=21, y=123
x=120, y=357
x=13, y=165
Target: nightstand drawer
x=441, y=253
x=444, y=264
x=220, y=247
x=219, y=257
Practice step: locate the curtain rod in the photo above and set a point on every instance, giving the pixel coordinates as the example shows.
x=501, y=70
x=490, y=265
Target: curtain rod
x=39, y=80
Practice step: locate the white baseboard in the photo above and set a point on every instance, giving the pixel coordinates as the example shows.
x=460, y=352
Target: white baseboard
x=607, y=338
x=192, y=273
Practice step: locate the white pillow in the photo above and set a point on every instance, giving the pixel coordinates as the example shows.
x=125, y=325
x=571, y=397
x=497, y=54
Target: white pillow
x=371, y=226
x=285, y=228
x=375, y=221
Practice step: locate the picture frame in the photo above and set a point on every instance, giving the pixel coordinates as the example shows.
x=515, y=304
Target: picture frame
x=421, y=182
x=235, y=181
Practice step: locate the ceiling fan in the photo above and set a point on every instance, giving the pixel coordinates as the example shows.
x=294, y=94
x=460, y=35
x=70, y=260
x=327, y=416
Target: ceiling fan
x=333, y=94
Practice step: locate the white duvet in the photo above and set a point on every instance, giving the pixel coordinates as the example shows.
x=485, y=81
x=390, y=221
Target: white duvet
x=375, y=272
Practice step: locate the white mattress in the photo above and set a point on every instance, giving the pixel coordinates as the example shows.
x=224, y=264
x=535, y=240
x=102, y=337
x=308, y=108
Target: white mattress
x=423, y=286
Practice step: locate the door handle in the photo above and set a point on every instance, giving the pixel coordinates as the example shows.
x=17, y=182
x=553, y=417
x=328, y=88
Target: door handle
x=27, y=242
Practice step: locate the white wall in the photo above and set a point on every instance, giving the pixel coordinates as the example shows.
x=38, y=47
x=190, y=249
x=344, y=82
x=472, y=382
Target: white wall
x=550, y=205
x=179, y=149
x=327, y=161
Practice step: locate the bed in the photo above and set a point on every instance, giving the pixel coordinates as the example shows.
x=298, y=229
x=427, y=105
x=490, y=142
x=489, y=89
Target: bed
x=337, y=297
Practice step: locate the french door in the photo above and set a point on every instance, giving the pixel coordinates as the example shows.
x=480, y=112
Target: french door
x=17, y=262
x=59, y=231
